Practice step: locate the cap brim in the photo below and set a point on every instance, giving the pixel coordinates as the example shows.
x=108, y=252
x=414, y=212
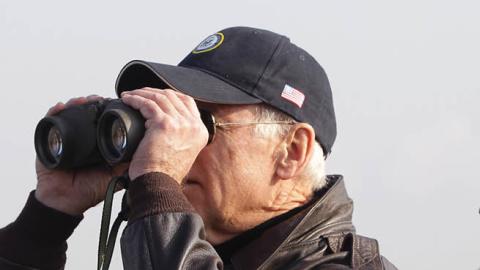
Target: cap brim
x=195, y=83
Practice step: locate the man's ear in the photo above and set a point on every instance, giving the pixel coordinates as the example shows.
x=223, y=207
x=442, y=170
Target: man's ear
x=296, y=151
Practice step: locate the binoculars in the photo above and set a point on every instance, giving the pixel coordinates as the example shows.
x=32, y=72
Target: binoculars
x=106, y=131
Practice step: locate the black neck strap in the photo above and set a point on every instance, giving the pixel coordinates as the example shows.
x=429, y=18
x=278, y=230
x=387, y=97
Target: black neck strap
x=107, y=241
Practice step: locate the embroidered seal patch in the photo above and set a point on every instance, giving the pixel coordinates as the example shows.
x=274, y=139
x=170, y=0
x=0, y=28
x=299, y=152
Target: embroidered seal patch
x=210, y=43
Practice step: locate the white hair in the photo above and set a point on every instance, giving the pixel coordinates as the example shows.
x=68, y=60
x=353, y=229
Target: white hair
x=315, y=169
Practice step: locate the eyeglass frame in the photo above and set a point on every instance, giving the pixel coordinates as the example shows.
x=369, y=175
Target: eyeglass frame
x=210, y=122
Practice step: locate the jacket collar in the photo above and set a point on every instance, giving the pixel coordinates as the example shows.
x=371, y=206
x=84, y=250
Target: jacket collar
x=330, y=213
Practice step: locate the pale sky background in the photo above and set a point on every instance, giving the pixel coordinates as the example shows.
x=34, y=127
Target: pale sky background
x=405, y=79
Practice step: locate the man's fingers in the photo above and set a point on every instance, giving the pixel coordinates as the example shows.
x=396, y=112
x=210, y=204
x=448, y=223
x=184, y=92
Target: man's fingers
x=93, y=98
x=55, y=109
x=190, y=104
x=147, y=107
x=159, y=97
x=187, y=102
x=76, y=101
x=170, y=101
x=72, y=102
x=178, y=100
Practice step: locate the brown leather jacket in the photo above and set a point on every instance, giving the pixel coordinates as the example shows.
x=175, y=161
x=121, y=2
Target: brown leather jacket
x=164, y=232
x=321, y=236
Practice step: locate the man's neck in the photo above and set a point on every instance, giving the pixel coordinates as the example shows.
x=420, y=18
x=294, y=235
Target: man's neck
x=289, y=195
x=227, y=248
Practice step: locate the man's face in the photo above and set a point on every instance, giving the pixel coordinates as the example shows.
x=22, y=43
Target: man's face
x=230, y=183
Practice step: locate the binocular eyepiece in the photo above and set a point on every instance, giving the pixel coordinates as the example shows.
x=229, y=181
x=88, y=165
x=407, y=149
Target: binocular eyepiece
x=106, y=131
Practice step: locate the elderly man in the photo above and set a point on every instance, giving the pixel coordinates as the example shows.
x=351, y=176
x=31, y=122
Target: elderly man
x=255, y=197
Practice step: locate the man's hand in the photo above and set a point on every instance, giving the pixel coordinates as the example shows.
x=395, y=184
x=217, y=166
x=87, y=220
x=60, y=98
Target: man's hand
x=174, y=133
x=73, y=191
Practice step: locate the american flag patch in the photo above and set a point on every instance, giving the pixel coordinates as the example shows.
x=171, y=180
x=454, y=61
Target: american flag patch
x=293, y=95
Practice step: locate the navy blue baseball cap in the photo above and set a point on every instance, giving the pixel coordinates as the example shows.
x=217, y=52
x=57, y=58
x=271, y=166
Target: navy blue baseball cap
x=243, y=65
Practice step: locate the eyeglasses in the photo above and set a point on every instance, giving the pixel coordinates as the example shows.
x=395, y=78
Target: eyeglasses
x=212, y=125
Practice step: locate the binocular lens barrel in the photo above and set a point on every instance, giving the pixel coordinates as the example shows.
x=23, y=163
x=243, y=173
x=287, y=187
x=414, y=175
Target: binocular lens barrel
x=120, y=130
x=68, y=139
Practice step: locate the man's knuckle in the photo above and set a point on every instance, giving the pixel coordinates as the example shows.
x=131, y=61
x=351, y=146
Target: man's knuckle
x=170, y=125
x=159, y=97
x=184, y=97
x=150, y=106
x=170, y=94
